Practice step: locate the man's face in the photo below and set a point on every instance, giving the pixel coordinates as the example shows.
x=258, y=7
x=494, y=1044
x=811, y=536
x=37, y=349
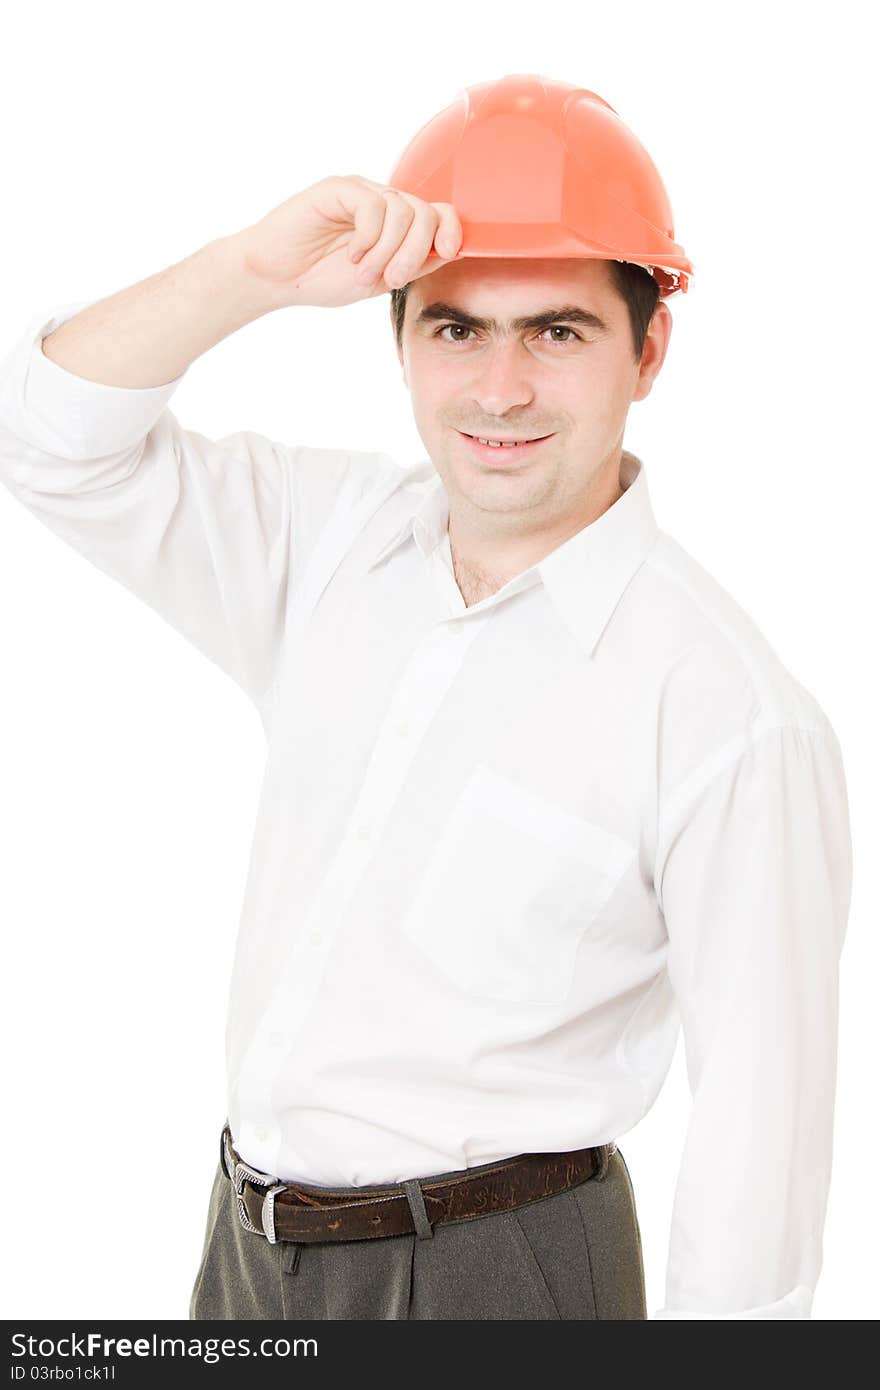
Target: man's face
x=572, y=381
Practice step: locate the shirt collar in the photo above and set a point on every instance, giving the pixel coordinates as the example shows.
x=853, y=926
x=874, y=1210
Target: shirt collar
x=586, y=575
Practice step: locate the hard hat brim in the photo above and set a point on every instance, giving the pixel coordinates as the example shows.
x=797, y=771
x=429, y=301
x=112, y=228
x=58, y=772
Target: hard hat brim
x=549, y=241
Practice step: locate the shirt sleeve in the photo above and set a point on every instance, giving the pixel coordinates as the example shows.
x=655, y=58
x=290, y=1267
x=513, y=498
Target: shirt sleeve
x=209, y=533
x=754, y=880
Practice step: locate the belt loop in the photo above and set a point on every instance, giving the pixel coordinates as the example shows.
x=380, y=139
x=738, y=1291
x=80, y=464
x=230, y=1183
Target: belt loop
x=223, y=1149
x=605, y=1152
x=413, y=1190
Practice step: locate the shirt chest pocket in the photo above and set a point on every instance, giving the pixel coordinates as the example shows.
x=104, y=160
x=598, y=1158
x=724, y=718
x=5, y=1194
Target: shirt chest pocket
x=511, y=885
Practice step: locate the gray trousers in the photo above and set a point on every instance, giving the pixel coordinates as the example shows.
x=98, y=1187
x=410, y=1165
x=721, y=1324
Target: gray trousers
x=574, y=1255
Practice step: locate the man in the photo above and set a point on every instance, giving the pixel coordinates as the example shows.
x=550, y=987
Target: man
x=537, y=789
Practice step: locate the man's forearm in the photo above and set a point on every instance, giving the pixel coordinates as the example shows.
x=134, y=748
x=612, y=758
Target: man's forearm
x=148, y=334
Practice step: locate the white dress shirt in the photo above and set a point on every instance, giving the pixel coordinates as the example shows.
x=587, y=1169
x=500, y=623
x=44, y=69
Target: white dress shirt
x=502, y=852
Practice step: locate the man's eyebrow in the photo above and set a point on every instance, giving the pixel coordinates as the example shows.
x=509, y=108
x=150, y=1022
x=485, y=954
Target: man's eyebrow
x=567, y=313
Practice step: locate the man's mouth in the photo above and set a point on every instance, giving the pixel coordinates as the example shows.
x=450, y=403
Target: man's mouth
x=503, y=450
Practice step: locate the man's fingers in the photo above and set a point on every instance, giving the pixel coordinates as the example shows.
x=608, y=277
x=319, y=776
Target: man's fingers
x=368, y=215
x=410, y=255
x=401, y=214
x=433, y=226
x=449, y=233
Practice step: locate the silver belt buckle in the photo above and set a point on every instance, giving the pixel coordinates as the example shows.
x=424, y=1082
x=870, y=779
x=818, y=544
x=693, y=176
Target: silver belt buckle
x=239, y=1173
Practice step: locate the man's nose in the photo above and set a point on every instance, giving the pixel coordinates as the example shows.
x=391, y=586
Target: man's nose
x=502, y=379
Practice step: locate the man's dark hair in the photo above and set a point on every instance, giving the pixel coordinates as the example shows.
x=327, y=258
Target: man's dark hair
x=635, y=285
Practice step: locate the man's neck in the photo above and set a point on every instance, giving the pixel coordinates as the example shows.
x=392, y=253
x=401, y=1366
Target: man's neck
x=482, y=565
x=476, y=584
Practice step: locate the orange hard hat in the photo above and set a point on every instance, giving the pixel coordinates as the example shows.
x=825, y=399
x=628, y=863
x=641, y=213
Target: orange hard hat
x=540, y=168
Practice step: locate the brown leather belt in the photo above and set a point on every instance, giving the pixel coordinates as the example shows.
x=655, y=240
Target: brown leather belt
x=297, y=1211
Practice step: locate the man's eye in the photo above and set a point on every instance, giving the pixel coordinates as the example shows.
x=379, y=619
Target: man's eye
x=463, y=328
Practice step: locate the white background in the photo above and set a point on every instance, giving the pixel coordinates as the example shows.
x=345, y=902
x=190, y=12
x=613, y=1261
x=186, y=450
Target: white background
x=131, y=766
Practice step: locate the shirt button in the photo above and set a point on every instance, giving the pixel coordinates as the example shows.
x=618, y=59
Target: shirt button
x=315, y=938
x=364, y=832
x=261, y=1132
x=403, y=728
x=276, y=1039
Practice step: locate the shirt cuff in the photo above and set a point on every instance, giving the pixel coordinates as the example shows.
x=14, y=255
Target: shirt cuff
x=797, y=1303
x=64, y=414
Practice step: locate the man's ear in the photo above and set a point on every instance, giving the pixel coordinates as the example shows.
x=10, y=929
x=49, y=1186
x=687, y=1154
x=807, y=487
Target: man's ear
x=653, y=350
